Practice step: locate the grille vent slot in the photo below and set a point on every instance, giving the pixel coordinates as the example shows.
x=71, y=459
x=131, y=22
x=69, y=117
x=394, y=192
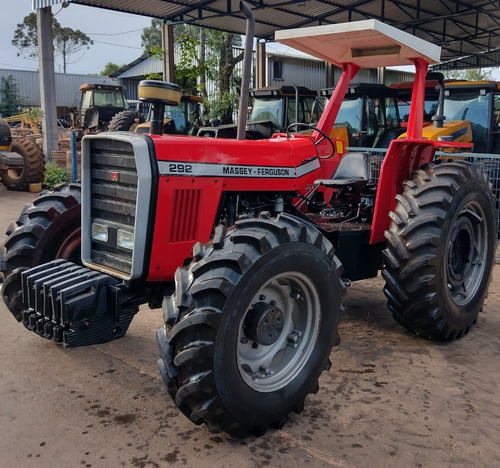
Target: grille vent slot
x=186, y=215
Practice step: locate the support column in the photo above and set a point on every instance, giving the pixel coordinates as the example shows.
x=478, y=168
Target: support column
x=47, y=81
x=261, y=68
x=329, y=75
x=167, y=43
x=381, y=75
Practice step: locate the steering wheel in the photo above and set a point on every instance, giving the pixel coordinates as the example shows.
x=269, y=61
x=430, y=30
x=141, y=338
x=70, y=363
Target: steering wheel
x=323, y=137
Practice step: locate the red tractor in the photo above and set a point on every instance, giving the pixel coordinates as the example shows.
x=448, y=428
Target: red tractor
x=248, y=263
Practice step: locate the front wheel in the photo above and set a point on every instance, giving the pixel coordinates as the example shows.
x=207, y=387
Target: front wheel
x=246, y=340
x=46, y=230
x=440, y=250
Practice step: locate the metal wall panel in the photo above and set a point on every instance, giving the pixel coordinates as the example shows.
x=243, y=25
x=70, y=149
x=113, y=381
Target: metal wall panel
x=67, y=86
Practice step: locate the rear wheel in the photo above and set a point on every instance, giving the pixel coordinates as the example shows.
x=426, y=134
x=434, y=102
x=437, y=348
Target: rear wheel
x=246, y=340
x=47, y=229
x=440, y=250
x=32, y=169
x=125, y=121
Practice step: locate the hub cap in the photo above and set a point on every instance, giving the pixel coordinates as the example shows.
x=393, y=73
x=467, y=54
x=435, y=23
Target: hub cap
x=466, y=254
x=278, y=332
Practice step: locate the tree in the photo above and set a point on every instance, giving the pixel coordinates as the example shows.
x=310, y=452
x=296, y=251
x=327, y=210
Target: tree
x=9, y=92
x=204, y=54
x=222, y=44
x=111, y=68
x=67, y=41
x=151, y=37
x=470, y=74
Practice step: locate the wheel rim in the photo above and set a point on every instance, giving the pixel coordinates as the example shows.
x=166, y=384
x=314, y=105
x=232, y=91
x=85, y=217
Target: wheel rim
x=467, y=254
x=70, y=248
x=278, y=332
x=14, y=174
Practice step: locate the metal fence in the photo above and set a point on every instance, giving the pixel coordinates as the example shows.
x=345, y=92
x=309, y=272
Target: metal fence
x=489, y=163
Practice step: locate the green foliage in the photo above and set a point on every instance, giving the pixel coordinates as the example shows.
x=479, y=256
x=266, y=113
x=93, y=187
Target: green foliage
x=53, y=175
x=223, y=108
x=156, y=53
x=111, y=68
x=470, y=74
x=205, y=53
x=11, y=101
x=189, y=67
x=67, y=41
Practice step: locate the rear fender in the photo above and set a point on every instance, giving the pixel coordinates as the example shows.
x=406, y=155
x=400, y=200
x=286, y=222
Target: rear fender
x=402, y=158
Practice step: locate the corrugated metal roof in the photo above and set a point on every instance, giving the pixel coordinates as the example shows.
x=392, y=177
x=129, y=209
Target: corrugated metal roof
x=44, y=3
x=463, y=29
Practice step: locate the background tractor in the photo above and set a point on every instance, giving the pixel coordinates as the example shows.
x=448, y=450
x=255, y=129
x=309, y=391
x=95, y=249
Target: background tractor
x=181, y=119
x=461, y=111
x=218, y=234
x=99, y=103
x=273, y=110
x=370, y=114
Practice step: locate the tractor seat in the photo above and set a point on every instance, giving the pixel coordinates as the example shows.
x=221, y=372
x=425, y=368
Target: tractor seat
x=354, y=169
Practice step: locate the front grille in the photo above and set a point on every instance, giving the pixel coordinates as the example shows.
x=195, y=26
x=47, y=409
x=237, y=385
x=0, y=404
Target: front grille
x=114, y=184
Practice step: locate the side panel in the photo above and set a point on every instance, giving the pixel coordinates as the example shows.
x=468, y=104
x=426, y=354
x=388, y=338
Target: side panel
x=195, y=172
x=185, y=214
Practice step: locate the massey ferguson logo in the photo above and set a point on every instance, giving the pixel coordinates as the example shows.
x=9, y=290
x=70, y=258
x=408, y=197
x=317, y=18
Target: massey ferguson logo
x=114, y=176
x=168, y=168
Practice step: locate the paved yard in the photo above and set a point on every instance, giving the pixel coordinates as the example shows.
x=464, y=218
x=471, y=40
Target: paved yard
x=390, y=398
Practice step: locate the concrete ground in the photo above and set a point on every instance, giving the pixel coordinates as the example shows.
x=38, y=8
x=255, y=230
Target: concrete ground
x=390, y=398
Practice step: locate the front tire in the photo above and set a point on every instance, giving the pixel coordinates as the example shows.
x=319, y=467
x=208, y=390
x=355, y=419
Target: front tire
x=440, y=250
x=251, y=325
x=46, y=230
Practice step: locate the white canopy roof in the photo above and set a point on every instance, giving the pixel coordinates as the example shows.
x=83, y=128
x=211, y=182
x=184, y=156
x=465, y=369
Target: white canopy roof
x=368, y=43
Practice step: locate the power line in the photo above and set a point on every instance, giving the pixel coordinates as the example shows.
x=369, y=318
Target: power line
x=114, y=34
x=118, y=45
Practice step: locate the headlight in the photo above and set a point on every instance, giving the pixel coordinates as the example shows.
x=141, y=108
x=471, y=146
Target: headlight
x=100, y=232
x=125, y=239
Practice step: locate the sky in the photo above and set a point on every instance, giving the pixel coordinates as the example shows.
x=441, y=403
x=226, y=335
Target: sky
x=116, y=36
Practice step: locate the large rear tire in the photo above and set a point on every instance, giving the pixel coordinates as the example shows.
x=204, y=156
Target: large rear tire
x=440, y=250
x=125, y=121
x=251, y=325
x=32, y=170
x=47, y=229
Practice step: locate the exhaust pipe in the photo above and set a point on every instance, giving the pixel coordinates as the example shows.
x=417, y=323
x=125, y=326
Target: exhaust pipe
x=438, y=118
x=247, y=71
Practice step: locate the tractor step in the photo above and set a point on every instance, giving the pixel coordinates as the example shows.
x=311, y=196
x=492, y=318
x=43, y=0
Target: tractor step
x=73, y=305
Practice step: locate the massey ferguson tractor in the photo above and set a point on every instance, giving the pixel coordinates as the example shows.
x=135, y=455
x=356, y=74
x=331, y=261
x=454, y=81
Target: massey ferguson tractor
x=247, y=246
